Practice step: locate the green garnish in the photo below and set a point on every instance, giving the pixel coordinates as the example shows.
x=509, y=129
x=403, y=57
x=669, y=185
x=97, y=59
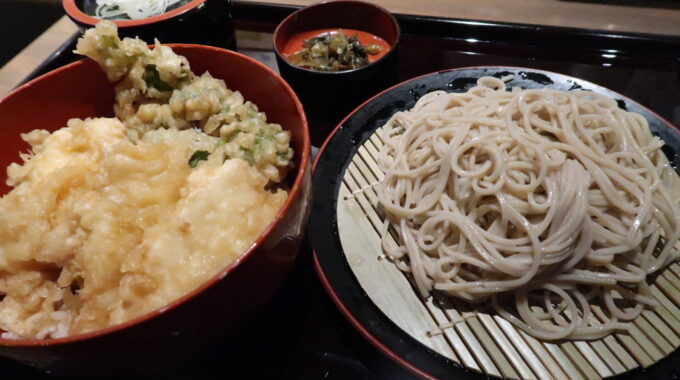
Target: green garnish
x=110, y=40
x=247, y=155
x=198, y=156
x=153, y=79
x=333, y=52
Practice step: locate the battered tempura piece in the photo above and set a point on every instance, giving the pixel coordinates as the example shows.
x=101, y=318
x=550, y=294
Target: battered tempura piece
x=158, y=90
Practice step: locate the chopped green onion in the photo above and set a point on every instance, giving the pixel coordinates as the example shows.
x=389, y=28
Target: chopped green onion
x=198, y=156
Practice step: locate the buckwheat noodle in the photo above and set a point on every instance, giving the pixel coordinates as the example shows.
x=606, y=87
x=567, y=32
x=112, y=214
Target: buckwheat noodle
x=552, y=206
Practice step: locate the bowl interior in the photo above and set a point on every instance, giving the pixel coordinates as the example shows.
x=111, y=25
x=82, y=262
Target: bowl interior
x=339, y=14
x=76, y=91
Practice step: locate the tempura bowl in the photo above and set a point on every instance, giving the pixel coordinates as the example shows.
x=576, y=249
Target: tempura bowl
x=222, y=304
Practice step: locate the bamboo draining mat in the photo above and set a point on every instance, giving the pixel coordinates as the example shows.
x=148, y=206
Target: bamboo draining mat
x=479, y=340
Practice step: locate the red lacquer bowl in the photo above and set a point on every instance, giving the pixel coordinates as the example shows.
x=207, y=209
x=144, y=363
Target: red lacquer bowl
x=330, y=95
x=207, y=22
x=219, y=306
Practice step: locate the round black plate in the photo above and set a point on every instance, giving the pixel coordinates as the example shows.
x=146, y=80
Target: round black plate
x=333, y=269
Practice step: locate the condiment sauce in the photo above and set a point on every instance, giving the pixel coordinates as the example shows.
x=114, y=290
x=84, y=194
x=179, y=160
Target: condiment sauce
x=295, y=43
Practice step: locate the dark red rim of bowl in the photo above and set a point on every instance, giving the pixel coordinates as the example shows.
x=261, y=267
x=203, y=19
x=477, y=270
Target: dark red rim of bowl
x=294, y=14
x=326, y=283
x=77, y=14
x=292, y=194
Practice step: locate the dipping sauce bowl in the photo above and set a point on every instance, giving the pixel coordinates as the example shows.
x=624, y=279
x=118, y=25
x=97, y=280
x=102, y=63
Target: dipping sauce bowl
x=328, y=96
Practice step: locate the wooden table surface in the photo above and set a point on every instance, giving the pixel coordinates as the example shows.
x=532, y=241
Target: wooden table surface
x=585, y=14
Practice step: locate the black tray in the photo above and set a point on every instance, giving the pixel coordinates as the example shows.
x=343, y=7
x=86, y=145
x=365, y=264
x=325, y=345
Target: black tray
x=301, y=334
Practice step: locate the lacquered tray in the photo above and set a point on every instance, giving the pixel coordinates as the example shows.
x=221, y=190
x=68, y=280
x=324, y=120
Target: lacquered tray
x=302, y=334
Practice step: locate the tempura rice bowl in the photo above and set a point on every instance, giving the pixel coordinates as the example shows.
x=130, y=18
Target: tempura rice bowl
x=185, y=325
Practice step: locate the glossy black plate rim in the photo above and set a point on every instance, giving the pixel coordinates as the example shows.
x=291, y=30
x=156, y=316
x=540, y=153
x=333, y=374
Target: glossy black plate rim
x=329, y=260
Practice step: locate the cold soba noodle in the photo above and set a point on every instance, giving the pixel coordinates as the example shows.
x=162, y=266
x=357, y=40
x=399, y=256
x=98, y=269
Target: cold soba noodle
x=544, y=202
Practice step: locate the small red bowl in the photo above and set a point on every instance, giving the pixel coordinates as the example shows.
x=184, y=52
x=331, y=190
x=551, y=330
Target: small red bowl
x=219, y=306
x=207, y=22
x=329, y=95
